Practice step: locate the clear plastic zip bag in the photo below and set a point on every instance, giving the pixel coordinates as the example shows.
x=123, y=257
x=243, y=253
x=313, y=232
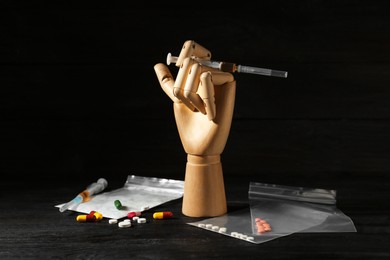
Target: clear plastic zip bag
x=286, y=209
x=137, y=194
x=236, y=224
x=289, y=209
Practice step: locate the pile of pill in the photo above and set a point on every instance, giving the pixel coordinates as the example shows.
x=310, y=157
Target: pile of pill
x=262, y=226
x=133, y=216
x=93, y=216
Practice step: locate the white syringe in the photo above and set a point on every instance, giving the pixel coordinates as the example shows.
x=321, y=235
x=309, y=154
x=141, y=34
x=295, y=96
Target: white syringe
x=83, y=196
x=231, y=67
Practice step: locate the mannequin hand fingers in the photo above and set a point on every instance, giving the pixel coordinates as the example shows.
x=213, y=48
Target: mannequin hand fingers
x=206, y=90
x=166, y=80
x=191, y=48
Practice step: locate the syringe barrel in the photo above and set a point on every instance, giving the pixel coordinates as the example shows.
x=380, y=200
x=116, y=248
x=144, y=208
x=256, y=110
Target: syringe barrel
x=97, y=187
x=261, y=71
x=253, y=70
x=232, y=67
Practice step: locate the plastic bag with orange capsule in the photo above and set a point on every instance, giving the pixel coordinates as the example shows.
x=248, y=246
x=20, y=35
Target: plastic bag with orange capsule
x=279, y=209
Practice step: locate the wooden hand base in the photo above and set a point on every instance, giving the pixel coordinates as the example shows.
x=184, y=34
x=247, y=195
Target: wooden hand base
x=204, y=189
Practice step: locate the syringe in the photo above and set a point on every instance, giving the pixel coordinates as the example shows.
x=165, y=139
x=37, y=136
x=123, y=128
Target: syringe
x=83, y=196
x=232, y=67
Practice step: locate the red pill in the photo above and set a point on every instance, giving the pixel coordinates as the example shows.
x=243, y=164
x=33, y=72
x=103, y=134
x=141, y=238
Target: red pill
x=133, y=214
x=85, y=218
x=162, y=215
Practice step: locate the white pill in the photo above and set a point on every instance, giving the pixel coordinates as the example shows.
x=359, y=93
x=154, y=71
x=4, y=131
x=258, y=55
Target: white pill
x=242, y=236
x=141, y=220
x=127, y=220
x=215, y=228
x=135, y=218
x=113, y=221
x=234, y=234
x=209, y=225
x=124, y=224
x=222, y=230
x=201, y=225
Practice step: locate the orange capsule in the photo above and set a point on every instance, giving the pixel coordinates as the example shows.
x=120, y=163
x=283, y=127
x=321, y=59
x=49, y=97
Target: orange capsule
x=262, y=225
x=162, y=215
x=267, y=229
x=260, y=229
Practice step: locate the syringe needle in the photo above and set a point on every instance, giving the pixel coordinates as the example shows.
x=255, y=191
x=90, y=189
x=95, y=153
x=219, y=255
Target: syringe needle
x=77, y=200
x=231, y=67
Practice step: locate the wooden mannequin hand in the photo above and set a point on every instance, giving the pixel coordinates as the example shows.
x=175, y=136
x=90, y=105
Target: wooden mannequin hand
x=203, y=101
x=203, y=106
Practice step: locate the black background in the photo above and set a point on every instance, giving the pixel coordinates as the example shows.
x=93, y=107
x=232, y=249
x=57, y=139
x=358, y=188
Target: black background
x=79, y=94
x=79, y=98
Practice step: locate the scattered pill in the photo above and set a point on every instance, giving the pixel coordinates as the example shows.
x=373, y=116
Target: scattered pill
x=209, y=226
x=234, y=234
x=162, y=215
x=93, y=216
x=222, y=230
x=113, y=221
x=124, y=224
x=243, y=236
x=118, y=204
x=81, y=218
x=141, y=220
x=98, y=215
x=215, y=228
x=135, y=218
x=132, y=214
x=201, y=225
x=127, y=220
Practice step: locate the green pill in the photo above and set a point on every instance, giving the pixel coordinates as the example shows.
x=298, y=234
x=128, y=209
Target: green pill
x=118, y=204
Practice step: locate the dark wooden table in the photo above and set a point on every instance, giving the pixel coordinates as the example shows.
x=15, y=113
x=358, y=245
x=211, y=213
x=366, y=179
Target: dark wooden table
x=32, y=228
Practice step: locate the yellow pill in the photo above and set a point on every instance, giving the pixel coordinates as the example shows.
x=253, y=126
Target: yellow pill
x=162, y=215
x=81, y=218
x=98, y=215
